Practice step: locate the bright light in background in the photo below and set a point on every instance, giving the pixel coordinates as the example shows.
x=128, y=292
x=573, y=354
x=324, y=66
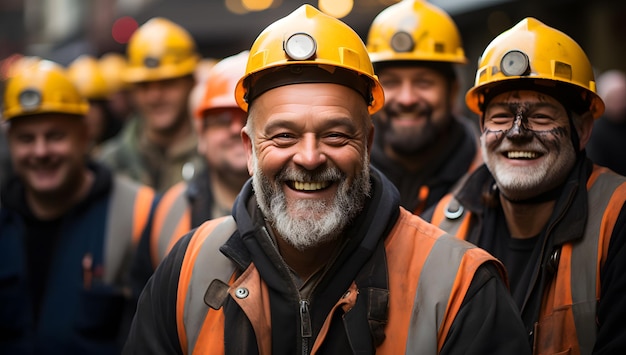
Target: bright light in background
x=235, y=6
x=257, y=5
x=336, y=8
x=123, y=28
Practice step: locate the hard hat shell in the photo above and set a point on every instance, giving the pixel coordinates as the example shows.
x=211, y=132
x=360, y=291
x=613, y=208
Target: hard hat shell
x=414, y=30
x=112, y=66
x=532, y=52
x=159, y=50
x=86, y=75
x=42, y=87
x=221, y=81
x=334, y=45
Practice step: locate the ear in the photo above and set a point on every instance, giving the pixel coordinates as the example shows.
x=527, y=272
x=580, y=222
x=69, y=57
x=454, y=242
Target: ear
x=586, y=126
x=247, y=144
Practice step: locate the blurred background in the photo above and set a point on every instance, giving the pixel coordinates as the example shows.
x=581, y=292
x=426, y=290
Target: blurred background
x=61, y=30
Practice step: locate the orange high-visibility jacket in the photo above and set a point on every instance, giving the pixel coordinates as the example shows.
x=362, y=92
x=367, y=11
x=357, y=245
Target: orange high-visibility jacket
x=429, y=274
x=567, y=319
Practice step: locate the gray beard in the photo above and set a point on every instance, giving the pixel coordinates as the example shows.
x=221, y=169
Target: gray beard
x=309, y=223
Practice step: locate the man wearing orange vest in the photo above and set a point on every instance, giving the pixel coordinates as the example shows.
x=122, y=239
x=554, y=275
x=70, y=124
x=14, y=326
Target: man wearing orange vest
x=318, y=256
x=212, y=192
x=421, y=144
x=68, y=226
x=555, y=220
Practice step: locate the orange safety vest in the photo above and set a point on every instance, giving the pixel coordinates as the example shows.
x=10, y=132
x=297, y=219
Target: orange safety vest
x=421, y=260
x=567, y=319
x=172, y=219
x=129, y=206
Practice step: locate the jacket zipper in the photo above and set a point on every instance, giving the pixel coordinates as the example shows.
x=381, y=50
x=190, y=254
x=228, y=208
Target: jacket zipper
x=306, y=331
x=305, y=326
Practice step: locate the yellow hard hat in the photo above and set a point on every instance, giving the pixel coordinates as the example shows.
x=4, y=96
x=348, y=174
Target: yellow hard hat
x=317, y=48
x=535, y=56
x=86, y=75
x=159, y=50
x=415, y=30
x=112, y=66
x=221, y=81
x=43, y=87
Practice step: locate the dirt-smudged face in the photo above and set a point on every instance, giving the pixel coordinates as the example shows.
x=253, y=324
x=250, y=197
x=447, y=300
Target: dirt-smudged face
x=526, y=143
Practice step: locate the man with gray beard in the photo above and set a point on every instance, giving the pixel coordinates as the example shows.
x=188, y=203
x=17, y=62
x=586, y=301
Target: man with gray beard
x=318, y=256
x=422, y=145
x=556, y=220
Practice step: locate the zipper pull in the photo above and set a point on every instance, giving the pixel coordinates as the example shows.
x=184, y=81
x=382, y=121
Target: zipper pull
x=305, y=319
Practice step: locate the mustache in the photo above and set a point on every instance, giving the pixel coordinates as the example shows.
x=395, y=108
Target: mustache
x=327, y=173
x=420, y=107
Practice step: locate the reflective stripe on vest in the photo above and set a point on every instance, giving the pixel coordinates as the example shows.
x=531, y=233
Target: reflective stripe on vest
x=172, y=219
x=434, y=288
x=422, y=276
x=128, y=213
x=190, y=306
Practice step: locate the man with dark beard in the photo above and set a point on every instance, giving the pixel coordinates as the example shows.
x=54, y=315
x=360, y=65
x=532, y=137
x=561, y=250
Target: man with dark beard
x=556, y=220
x=420, y=144
x=318, y=256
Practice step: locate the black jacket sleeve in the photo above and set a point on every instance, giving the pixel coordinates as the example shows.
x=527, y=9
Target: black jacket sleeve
x=611, y=337
x=153, y=330
x=488, y=321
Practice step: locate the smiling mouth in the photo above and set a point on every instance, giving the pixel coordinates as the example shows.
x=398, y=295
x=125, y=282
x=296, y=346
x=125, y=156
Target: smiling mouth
x=522, y=155
x=309, y=185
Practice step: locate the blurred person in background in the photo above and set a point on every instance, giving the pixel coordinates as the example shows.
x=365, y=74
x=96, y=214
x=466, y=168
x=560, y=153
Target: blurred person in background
x=607, y=145
x=555, y=220
x=5, y=157
x=212, y=192
x=9, y=67
x=420, y=144
x=112, y=66
x=89, y=79
x=158, y=146
x=68, y=226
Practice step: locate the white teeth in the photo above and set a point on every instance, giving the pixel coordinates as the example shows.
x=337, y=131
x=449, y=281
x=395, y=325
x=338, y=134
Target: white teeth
x=310, y=186
x=522, y=155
